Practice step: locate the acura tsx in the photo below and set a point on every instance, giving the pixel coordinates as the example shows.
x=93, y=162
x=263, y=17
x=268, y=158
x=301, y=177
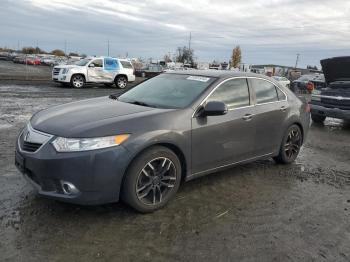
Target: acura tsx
x=175, y=127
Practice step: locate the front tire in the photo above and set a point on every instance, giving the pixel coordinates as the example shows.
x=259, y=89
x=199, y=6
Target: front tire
x=290, y=147
x=121, y=82
x=318, y=119
x=152, y=179
x=77, y=81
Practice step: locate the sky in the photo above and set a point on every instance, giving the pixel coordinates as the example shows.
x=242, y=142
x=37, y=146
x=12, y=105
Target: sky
x=268, y=31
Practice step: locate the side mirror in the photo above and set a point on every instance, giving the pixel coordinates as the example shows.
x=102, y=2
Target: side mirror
x=92, y=65
x=213, y=108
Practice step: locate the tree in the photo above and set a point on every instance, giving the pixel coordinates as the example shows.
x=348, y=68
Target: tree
x=32, y=50
x=167, y=58
x=236, y=57
x=184, y=55
x=58, y=52
x=312, y=67
x=73, y=54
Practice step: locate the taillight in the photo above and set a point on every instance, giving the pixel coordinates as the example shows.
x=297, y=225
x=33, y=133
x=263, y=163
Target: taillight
x=310, y=86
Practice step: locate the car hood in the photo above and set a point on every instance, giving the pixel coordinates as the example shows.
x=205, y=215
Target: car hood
x=78, y=119
x=336, y=69
x=65, y=66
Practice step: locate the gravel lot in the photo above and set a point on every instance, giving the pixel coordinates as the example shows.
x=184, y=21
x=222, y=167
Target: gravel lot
x=255, y=212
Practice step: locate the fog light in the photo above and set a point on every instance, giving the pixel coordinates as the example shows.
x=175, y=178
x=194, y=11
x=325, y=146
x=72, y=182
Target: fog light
x=68, y=188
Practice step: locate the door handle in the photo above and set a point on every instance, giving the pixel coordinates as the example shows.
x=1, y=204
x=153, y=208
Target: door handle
x=247, y=117
x=283, y=108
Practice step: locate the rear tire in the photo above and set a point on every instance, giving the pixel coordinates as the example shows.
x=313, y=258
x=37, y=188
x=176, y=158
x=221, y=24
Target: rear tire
x=77, y=81
x=317, y=118
x=152, y=179
x=290, y=146
x=121, y=82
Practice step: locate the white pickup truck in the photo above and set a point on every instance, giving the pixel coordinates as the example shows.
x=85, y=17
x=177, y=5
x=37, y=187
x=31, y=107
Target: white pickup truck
x=105, y=70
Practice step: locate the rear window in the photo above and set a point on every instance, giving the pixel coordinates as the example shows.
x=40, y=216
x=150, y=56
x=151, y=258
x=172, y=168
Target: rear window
x=126, y=64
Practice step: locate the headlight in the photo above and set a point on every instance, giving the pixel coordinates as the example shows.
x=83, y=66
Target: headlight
x=62, y=144
x=65, y=70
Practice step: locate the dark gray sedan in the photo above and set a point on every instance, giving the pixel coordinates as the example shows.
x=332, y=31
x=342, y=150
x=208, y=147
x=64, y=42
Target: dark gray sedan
x=172, y=128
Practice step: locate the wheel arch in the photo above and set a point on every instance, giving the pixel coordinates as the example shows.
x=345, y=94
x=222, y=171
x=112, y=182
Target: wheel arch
x=74, y=74
x=119, y=75
x=171, y=146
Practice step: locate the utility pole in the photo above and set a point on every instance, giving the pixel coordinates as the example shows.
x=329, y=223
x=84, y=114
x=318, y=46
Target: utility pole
x=18, y=45
x=108, y=47
x=65, y=47
x=296, y=62
x=189, y=42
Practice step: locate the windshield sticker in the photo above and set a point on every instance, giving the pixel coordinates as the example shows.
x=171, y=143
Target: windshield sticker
x=198, y=78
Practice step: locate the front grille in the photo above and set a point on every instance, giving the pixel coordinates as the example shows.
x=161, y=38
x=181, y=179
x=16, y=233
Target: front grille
x=31, y=140
x=30, y=147
x=56, y=71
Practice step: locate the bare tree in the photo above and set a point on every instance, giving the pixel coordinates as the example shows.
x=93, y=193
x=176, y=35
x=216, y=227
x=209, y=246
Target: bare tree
x=236, y=57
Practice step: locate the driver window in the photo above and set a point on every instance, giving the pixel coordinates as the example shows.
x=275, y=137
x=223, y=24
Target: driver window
x=234, y=93
x=97, y=63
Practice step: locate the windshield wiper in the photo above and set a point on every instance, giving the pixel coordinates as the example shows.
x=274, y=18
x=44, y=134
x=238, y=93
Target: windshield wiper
x=114, y=97
x=140, y=103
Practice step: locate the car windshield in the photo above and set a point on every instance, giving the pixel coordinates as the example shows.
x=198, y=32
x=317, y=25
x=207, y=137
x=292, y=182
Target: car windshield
x=83, y=62
x=167, y=91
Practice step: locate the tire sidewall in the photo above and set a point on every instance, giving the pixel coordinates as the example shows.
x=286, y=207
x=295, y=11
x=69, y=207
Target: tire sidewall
x=130, y=180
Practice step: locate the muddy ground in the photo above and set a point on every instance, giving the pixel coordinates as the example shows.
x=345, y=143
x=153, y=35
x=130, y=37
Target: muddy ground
x=255, y=212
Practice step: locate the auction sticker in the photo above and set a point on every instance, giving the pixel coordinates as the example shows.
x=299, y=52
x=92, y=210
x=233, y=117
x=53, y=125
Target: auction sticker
x=198, y=78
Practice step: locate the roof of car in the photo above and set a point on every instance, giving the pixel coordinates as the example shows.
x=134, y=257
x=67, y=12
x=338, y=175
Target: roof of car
x=216, y=73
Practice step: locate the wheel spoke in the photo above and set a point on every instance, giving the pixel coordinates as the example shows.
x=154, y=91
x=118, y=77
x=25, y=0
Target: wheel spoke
x=144, y=187
x=145, y=172
x=168, y=178
x=166, y=184
x=160, y=194
x=154, y=195
x=145, y=193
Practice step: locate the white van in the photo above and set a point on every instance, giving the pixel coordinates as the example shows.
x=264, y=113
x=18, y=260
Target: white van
x=105, y=70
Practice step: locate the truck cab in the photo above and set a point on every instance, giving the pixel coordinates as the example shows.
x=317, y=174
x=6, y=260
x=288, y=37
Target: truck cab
x=102, y=70
x=334, y=100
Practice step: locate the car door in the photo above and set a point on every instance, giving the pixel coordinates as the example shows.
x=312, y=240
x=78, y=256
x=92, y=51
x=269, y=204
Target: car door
x=222, y=140
x=271, y=108
x=95, y=71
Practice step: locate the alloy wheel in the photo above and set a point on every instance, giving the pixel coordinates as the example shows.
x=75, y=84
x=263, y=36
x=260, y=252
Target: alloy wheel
x=78, y=81
x=155, y=181
x=121, y=82
x=293, y=143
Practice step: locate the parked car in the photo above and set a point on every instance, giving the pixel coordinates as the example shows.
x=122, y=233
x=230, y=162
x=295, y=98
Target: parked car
x=334, y=100
x=171, y=128
x=282, y=80
x=32, y=60
x=307, y=83
x=149, y=71
x=105, y=70
x=19, y=60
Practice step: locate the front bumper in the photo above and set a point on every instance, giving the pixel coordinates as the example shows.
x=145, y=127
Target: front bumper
x=65, y=78
x=329, y=112
x=96, y=175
